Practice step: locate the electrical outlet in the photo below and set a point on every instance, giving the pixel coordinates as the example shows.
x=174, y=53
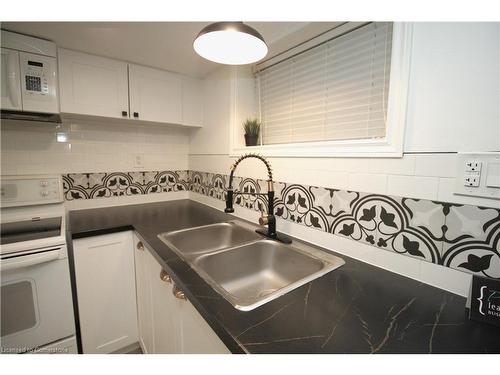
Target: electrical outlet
x=478, y=174
x=472, y=166
x=472, y=179
x=138, y=160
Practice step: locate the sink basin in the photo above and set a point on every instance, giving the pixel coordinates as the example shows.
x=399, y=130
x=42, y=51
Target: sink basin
x=189, y=243
x=244, y=267
x=248, y=274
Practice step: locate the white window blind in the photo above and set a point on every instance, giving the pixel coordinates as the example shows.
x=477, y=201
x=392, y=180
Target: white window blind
x=335, y=91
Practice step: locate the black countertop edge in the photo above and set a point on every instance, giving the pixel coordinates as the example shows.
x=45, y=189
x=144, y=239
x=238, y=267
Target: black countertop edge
x=358, y=308
x=233, y=345
x=99, y=232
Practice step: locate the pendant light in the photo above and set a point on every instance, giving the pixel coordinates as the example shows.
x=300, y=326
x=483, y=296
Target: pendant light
x=232, y=43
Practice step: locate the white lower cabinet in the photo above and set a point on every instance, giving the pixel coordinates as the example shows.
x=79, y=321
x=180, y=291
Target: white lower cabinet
x=169, y=324
x=197, y=336
x=105, y=283
x=125, y=297
x=144, y=298
x=165, y=307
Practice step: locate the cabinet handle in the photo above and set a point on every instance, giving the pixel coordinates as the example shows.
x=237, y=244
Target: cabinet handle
x=140, y=246
x=178, y=293
x=124, y=113
x=164, y=276
x=136, y=114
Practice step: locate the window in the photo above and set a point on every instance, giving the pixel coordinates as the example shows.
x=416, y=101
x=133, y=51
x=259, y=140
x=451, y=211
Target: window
x=335, y=91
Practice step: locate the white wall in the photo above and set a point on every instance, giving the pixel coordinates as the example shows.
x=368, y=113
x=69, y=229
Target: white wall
x=213, y=137
x=33, y=148
x=454, y=88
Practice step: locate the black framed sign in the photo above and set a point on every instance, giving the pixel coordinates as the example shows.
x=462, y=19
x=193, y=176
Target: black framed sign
x=485, y=300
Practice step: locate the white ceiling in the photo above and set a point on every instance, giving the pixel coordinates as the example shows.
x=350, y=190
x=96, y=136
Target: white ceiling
x=165, y=45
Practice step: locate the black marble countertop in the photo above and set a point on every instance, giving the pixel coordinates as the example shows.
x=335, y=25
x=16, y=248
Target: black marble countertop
x=358, y=308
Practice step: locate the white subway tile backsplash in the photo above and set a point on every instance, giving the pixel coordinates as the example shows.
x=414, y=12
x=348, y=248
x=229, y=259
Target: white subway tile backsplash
x=93, y=147
x=367, y=182
x=436, y=165
x=413, y=186
x=400, y=166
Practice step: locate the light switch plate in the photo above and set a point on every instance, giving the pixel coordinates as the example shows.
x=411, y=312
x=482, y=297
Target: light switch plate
x=138, y=160
x=493, y=175
x=478, y=174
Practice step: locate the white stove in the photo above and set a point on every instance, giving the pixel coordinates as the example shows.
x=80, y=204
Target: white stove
x=36, y=301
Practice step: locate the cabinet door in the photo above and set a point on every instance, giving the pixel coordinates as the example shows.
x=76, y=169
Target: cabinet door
x=92, y=85
x=166, y=310
x=197, y=336
x=192, y=101
x=105, y=283
x=155, y=95
x=10, y=80
x=144, y=298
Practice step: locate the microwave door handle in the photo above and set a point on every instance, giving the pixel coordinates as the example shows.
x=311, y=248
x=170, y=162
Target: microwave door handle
x=28, y=260
x=13, y=79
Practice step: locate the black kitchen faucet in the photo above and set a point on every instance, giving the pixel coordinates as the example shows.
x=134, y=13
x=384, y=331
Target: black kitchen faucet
x=269, y=219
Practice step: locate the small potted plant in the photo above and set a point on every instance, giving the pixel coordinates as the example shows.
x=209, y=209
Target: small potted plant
x=252, y=130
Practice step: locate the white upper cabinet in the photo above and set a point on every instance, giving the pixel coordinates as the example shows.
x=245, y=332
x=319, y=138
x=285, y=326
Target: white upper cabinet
x=155, y=95
x=92, y=85
x=192, y=101
x=10, y=82
x=97, y=86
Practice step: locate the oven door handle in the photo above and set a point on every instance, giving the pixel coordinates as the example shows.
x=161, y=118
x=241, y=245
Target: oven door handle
x=28, y=260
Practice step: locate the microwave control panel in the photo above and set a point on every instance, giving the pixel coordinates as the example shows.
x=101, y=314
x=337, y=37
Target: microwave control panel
x=35, y=78
x=39, y=83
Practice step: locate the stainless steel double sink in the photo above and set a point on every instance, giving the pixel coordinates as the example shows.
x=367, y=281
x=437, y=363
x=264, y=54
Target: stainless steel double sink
x=245, y=268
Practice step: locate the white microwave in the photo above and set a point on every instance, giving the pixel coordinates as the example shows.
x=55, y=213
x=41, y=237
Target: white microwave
x=29, y=78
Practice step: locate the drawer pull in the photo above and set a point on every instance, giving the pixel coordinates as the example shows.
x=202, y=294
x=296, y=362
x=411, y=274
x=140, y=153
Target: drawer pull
x=140, y=246
x=178, y=293
x=164, y=276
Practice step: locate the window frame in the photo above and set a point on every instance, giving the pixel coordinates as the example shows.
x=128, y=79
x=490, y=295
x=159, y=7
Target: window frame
x=389, y=146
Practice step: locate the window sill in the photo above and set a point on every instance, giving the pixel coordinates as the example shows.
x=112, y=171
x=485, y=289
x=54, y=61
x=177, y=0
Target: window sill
x=351, y=148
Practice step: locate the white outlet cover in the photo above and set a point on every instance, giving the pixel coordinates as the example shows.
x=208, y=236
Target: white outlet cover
x=487, y=162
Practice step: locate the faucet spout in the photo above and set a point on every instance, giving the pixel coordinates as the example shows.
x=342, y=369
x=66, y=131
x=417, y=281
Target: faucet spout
x=251, y=155
x=269, y=219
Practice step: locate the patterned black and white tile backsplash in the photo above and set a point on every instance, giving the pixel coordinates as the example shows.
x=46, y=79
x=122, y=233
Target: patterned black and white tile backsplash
x=115, y=184
x=463, y=237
